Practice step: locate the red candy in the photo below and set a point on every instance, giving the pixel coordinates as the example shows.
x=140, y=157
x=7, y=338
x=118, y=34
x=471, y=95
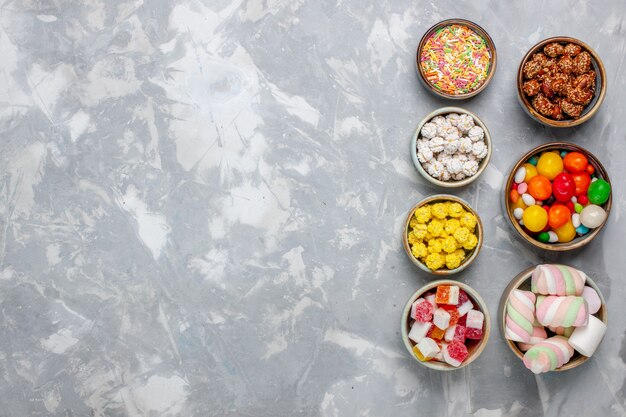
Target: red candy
x=422, y=311
x=462, y=320
x=582, y=181
x=454, y=314
x=462, y=298
x=475, y=334
x=457, y=351
x=583, y=199
x=459, y=334
x=571, y=207
x=563, y=187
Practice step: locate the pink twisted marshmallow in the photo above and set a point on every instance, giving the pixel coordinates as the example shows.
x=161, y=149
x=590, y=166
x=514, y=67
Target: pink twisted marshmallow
x=563, y=311
x=557, y=280
x=520, y=315
x=548, y=355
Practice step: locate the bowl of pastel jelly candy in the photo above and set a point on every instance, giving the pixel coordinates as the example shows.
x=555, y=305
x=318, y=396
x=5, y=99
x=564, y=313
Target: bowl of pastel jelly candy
x=558, y=196
x=553, y=317
x=445, y=325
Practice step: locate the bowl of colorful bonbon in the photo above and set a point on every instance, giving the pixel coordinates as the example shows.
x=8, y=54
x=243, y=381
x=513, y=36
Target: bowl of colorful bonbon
x=445, y=325
x=558, y=196
x=442, y=234
x=553, y=317
x=456, y=59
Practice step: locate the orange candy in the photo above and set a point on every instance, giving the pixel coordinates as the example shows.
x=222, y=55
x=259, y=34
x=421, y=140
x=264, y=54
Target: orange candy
x=436, y=333
x=514, y=196
x=575, y=162
x=582, y=181
x=590, y=169
x=540, y=187
x=558, y=215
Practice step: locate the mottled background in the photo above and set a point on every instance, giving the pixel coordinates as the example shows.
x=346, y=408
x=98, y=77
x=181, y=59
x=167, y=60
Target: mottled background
x=201, y=204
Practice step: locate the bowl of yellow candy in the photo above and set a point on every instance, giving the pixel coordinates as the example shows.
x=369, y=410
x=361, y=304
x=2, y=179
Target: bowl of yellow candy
x=442, y=234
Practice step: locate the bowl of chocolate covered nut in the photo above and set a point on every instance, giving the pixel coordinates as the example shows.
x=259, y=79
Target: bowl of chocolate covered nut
x=451, y=147
x=561, y=82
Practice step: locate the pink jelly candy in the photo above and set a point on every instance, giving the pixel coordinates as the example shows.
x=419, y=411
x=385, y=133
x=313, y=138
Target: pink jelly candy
x=475, y=334
x=462, y=298
x=455, y=334
x=422, y=311
x=455, y=353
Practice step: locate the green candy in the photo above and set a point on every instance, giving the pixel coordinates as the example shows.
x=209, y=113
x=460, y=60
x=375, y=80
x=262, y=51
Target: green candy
x=543, y=237
x=599, y=192
x=533, y=160
x=578, y=207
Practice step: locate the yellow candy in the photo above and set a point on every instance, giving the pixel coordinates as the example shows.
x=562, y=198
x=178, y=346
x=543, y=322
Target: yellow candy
x=439, y=210
x=453, y=261
x=419, y=354
x=462, y=234
x=531, y=171
x=419, y=250
x=468, y=220
x=435, y=227
x=422, y=214
x=455, y=210
x=434, y=246
x=435, y=261
x=535, y=218
x=471, y=242
x=566, y=233
x=420, y=231
x=449, y=244
x=451, y=225
x=460, y=253
x=550, y=165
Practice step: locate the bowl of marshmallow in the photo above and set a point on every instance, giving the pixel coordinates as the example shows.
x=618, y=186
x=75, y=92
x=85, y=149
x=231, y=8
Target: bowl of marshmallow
x=553, y=317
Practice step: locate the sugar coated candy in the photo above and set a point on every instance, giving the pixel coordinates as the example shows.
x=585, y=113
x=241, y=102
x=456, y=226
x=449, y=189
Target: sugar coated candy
x=422, y=310
x=455, y=333
x=441, y=318
x=419, y=331
x=447, y=294
x=426, y=349
x=455, y=353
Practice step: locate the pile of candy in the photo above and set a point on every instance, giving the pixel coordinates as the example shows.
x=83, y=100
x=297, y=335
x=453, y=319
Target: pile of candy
x=455, y=60
x=441, y=234
x=560, y=80
x=451, y=147
x=441, y=324
x=557, y=195
x=560, y=302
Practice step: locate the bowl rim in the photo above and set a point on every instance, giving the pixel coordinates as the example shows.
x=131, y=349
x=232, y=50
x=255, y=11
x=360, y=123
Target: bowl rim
x=404, y=321
x=468, y=260
x=579, y=241
x=450, y=184
x=518, y=281
x=476, y=28
x=590, y=112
